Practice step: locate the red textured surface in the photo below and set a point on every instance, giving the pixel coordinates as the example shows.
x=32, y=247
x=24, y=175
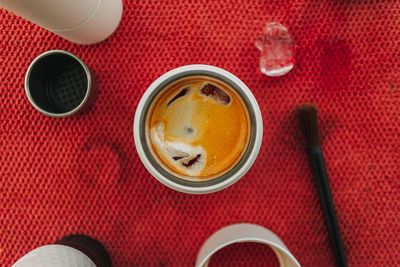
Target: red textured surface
x=82, y=174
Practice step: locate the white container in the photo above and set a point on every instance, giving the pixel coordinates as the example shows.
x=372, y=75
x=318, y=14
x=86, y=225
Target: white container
x=79, y=21
x=242, y=233
x=203, y=187
x=54, y=255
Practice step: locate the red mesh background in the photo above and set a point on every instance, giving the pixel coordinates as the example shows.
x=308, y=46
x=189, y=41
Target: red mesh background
x=82, y=174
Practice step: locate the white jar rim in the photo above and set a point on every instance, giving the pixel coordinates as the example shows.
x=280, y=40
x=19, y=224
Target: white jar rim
x=226, y=179
x=245, y=233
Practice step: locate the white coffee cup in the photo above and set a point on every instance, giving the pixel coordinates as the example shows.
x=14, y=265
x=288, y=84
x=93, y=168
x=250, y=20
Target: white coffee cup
x=142, y=139
x=244, y=233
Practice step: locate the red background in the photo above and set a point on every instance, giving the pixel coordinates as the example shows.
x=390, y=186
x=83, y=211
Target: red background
x=82, y=174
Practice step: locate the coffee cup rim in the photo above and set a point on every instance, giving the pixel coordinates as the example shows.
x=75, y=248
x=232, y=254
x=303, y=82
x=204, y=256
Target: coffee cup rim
x=207, y=188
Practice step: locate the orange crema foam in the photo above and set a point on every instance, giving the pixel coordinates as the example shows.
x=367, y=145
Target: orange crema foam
x=198, y=128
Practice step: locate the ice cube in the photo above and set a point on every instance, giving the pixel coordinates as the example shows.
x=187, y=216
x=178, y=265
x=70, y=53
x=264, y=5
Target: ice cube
x=181, y=93
x=190, y=161
x=277, y=50
x=216, y=93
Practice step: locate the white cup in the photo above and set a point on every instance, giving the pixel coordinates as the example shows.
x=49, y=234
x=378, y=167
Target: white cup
x=142, y=140
x=243, y=233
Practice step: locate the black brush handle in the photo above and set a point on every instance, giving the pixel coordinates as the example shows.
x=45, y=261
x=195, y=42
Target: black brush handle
x=321, y=178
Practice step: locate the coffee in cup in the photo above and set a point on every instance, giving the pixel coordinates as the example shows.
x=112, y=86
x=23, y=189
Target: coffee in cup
x=198, y=129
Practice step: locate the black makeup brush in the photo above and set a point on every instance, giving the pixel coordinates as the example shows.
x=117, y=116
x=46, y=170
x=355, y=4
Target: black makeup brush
x=308, y=122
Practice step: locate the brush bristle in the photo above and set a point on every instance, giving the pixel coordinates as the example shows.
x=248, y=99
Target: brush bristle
x=307, y=117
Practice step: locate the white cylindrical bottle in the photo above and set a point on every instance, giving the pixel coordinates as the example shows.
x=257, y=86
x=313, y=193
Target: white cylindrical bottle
x=72, y=250
x=54, y=255
x=82, y=22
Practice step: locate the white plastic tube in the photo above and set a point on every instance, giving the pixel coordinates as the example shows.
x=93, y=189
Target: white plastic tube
x=79, y=21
